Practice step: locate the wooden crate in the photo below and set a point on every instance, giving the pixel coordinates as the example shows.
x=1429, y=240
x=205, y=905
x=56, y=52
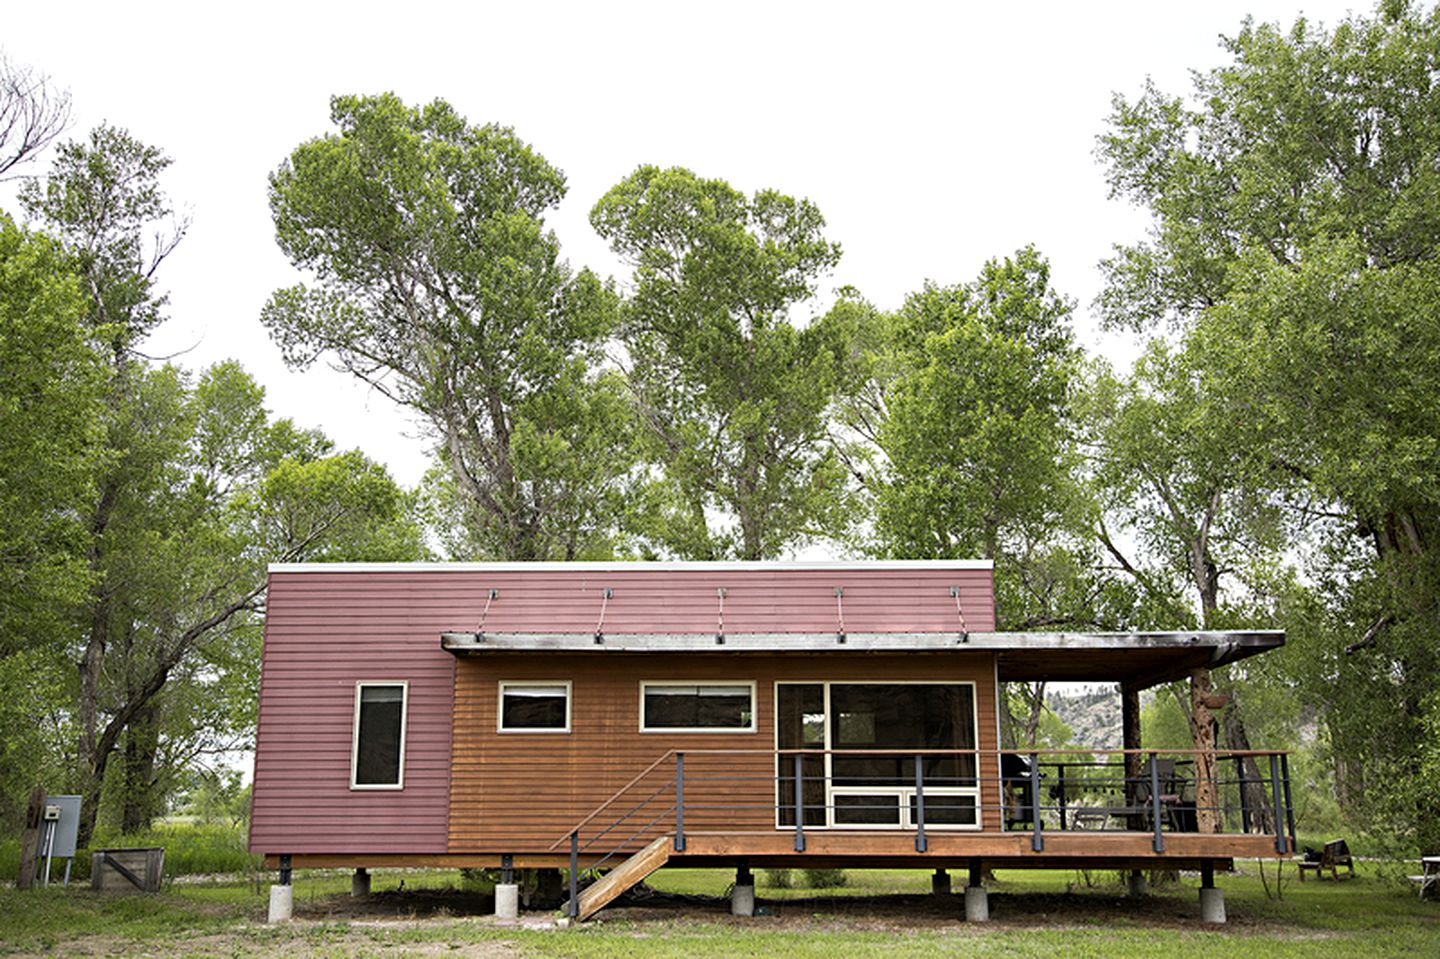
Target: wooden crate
x=127, y=870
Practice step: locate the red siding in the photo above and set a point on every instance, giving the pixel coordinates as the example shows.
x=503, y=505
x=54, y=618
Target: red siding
x=326, y=629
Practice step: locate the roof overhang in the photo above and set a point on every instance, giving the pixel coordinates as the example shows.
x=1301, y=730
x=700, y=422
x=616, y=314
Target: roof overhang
x=1136, y=660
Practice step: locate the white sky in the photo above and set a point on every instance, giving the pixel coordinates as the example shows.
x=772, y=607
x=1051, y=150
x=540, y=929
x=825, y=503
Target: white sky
x=932, y=137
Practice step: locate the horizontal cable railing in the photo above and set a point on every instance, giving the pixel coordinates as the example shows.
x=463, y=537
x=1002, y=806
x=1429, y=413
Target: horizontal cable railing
x=920, y=792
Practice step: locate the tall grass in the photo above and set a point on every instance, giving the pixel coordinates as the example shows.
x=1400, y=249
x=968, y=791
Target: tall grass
x=190, y=849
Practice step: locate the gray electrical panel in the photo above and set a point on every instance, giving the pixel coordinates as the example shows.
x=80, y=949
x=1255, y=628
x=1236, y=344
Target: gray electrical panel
x=67, y=827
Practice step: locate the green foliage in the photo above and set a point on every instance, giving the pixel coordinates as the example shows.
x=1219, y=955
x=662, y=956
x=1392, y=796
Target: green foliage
x=104, y=202
x=435, y=280
x=1295, y=252
x=733, y=393
x=779, y=878
x=50, y=386
x=824, y=878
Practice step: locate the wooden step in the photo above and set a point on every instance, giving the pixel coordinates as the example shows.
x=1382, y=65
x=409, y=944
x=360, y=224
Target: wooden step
x=623, y=876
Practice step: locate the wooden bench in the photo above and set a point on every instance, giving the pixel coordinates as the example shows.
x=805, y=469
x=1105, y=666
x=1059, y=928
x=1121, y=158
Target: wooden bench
x=1335, y=854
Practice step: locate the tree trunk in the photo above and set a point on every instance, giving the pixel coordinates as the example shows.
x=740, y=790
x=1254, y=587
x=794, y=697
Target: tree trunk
x=1260, y=817
x=1207, y=795
x=138, y=798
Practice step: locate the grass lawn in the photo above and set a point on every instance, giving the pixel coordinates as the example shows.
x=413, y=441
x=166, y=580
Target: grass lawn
x=1041, y=914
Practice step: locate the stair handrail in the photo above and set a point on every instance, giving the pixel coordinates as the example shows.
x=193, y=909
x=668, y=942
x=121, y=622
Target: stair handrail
x=607, y=803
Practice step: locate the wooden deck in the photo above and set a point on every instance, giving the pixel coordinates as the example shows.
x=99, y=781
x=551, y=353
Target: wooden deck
x=875, y=850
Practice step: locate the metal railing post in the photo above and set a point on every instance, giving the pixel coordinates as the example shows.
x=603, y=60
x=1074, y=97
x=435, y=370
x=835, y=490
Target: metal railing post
x=679, y=802
x=1289, y=806
x=1245, y=816
x=573, y=906
x=1037, y=841
x=1158, y=843
x=1275, y=799
x=799, y=805
x=920, y=844
x=1060, y=784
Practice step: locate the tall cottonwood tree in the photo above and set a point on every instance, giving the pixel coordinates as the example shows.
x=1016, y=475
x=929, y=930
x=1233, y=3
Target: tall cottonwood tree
x=1295, y=249
x=435, y=280
x=183, y=497
x=733, y=394
x=971, y=417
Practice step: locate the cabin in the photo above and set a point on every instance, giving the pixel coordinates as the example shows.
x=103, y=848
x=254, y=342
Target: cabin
x=605, y=719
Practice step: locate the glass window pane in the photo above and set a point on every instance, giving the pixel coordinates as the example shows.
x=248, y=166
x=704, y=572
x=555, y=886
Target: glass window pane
x=698, y=707
x=533, y=707
x=903, y=716
x=876, y=810
x=377, y=752
x=946, y=810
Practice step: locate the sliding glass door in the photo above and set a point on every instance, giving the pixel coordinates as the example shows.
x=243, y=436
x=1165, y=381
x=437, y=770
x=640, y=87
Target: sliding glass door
x=870, y=738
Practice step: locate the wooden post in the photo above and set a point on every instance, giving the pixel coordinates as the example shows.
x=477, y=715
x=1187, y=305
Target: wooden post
x=30, y=839
x=1130, y=741
x=1207, y=804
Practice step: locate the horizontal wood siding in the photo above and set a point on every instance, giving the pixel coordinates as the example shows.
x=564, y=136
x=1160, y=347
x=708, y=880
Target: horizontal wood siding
x=521, y=792
x=327, y=629
x=320, y=640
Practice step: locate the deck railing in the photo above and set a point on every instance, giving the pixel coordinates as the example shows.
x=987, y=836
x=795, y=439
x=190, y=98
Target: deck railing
x=925, y=792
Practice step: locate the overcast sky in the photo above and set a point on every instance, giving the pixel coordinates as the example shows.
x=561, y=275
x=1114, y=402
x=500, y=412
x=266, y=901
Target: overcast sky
x=931, y=136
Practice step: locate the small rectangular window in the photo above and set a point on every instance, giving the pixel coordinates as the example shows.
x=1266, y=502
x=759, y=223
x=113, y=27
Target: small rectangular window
x=534, y=707
x=377, y=760
x=712, y=707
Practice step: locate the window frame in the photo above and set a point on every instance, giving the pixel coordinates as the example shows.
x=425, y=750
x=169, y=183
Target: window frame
x=901, y=793
x=749, y=684
x=505, y=684
x=360, y=685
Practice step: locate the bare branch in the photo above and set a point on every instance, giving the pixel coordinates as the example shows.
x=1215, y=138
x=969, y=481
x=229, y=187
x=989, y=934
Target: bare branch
x=32, y=114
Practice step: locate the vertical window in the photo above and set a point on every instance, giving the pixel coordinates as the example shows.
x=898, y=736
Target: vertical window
x=534, y=707
x=713, y=707
x=377, y=760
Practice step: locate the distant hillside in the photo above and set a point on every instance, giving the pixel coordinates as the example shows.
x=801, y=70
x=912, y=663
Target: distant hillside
x=1093, y=716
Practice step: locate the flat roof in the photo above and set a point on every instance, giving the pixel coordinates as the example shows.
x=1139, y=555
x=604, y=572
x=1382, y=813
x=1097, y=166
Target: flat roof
x=1135, y=659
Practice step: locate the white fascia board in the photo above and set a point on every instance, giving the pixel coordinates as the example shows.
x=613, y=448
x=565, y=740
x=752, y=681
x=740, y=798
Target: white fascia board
x=838, y=566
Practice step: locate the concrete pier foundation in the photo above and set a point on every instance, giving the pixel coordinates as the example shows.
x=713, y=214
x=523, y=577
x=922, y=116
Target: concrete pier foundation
x=977, y=904
x=507, y=900
x=1212, y=905
x=282, y=904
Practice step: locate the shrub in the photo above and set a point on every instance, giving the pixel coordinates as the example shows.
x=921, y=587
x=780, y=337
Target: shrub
x=824, y=878
x=779, y=878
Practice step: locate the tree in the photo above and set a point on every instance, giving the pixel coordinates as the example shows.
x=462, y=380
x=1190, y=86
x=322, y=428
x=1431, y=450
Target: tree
x=733, y=395
x=436, y=282
x=193, y=490
x=51, y=388
x=974, y=434
x=32, y=114
x=1294, y=251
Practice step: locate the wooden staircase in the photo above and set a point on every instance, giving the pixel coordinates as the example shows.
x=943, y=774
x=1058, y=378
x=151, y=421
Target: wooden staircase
x=600, y=894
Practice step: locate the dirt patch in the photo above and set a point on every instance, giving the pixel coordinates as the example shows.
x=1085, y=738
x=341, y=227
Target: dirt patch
x=398, y=903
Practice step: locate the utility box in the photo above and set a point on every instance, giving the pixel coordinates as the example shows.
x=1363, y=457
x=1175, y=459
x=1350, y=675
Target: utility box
x=67, y=825
x=127, y=870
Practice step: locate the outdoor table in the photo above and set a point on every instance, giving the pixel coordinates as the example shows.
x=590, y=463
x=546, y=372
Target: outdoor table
x=1429, y=873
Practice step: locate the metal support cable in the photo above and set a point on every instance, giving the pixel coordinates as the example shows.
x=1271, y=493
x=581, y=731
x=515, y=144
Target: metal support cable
x=720, y=592
x=960, y=614
x=489, y=598
x=605, y=595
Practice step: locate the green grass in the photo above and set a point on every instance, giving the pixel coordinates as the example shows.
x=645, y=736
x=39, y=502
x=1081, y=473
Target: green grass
x=1368, y=916
x=190, y=849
